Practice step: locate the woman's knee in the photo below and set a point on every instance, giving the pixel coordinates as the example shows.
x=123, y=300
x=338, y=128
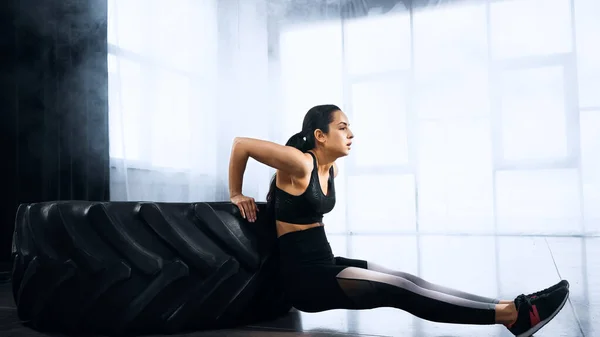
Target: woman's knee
x=405, y=275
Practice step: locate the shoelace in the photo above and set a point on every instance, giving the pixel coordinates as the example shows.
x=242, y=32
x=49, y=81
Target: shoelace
x=519, y=301
x=538, y=293
x=522, y=299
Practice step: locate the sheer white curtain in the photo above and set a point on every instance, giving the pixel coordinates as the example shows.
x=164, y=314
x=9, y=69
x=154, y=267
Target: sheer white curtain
x=470, y=117
x=186, y=77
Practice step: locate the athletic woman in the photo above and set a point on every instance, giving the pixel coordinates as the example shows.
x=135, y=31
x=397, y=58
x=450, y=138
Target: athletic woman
x=303, y=190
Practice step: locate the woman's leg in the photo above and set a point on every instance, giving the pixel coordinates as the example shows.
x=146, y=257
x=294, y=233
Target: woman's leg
x=369, y=289
x=436, y=287
x=416, y=280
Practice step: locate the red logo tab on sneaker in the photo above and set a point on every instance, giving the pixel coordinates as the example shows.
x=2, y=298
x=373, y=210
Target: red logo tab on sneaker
x=534, y=316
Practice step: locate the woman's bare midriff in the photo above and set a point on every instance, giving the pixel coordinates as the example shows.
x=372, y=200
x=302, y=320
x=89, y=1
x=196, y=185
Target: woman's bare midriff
x=285, y=227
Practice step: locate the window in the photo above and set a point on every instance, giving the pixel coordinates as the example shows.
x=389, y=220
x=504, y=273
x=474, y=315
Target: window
x=379, y=44
x=451, y=62
x=173, y=32
x=488, y=93
x=538, y=201
x=171, y=123
x=450, y=38
x=158, y=79
x=310, y=70
x=455, y=176
x=125, y=97
x=524, y=28
x=590, y=168
x=587, y=28
x=381, y=203
x=533, y=114
x=379, y=117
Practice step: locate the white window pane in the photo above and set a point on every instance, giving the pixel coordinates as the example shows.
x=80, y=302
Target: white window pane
x=205, y=41
x=462, y=263
x=373, y=208
x=453, y=95
x=587, y=28
x=393, y=252
x=173, y=35
x=171, y=129
x=182, y=34
x=590, y=168
x=309, y=78
x=125, y=110
x=450, y=37
x=367, y=38
x=533, y=114
x=126, y=25
x=379, y=117
x=203, y=117
x=538, y=201
x=521, y=28
x=459, y=197
x=451, y=63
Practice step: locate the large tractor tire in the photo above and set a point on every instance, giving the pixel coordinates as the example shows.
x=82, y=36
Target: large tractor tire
x=127, y=267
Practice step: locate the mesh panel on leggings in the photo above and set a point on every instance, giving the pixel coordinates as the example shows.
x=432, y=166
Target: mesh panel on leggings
x=369, y=289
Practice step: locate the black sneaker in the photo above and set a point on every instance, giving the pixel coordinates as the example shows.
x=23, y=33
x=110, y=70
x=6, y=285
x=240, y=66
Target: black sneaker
x=534, y=313
x=562, y=283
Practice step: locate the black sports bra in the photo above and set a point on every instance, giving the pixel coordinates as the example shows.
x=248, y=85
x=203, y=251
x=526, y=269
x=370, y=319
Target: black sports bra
x=308, y=207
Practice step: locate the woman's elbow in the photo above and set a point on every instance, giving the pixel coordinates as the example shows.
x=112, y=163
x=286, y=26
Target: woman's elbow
x=237, y=143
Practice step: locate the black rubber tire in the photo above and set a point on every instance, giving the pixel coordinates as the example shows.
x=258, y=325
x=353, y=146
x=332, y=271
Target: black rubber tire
x=126, y=267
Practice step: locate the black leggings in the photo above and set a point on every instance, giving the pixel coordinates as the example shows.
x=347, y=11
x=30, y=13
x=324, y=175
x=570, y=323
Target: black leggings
x=315, y=280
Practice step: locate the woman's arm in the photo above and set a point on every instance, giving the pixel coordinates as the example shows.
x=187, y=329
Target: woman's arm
x=279, y=157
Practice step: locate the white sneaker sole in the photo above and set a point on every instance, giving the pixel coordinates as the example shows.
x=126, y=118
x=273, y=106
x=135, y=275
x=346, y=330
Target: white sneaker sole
x=541, y=324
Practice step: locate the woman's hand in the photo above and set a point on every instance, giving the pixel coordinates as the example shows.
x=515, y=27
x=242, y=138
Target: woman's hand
x=246, y=205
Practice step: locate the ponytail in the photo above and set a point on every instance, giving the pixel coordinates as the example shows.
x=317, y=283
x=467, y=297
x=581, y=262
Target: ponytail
x=303, y=141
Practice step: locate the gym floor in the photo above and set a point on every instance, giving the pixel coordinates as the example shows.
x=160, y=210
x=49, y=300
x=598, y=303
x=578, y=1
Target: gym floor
x=487, y=265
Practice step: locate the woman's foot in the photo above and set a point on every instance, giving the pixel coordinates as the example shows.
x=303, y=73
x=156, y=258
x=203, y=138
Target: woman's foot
x=560, y=284
x=535, y=312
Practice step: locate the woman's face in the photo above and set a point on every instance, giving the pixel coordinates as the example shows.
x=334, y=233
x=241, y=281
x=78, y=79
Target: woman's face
x=339, y=139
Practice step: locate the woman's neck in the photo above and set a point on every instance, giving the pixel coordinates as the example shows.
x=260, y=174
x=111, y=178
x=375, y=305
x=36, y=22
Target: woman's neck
x=324, y=161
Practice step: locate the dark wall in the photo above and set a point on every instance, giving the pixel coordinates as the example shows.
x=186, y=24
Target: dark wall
x=54, y=101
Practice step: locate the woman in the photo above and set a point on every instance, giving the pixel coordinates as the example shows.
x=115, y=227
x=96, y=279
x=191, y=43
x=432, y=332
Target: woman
x=303, y=190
